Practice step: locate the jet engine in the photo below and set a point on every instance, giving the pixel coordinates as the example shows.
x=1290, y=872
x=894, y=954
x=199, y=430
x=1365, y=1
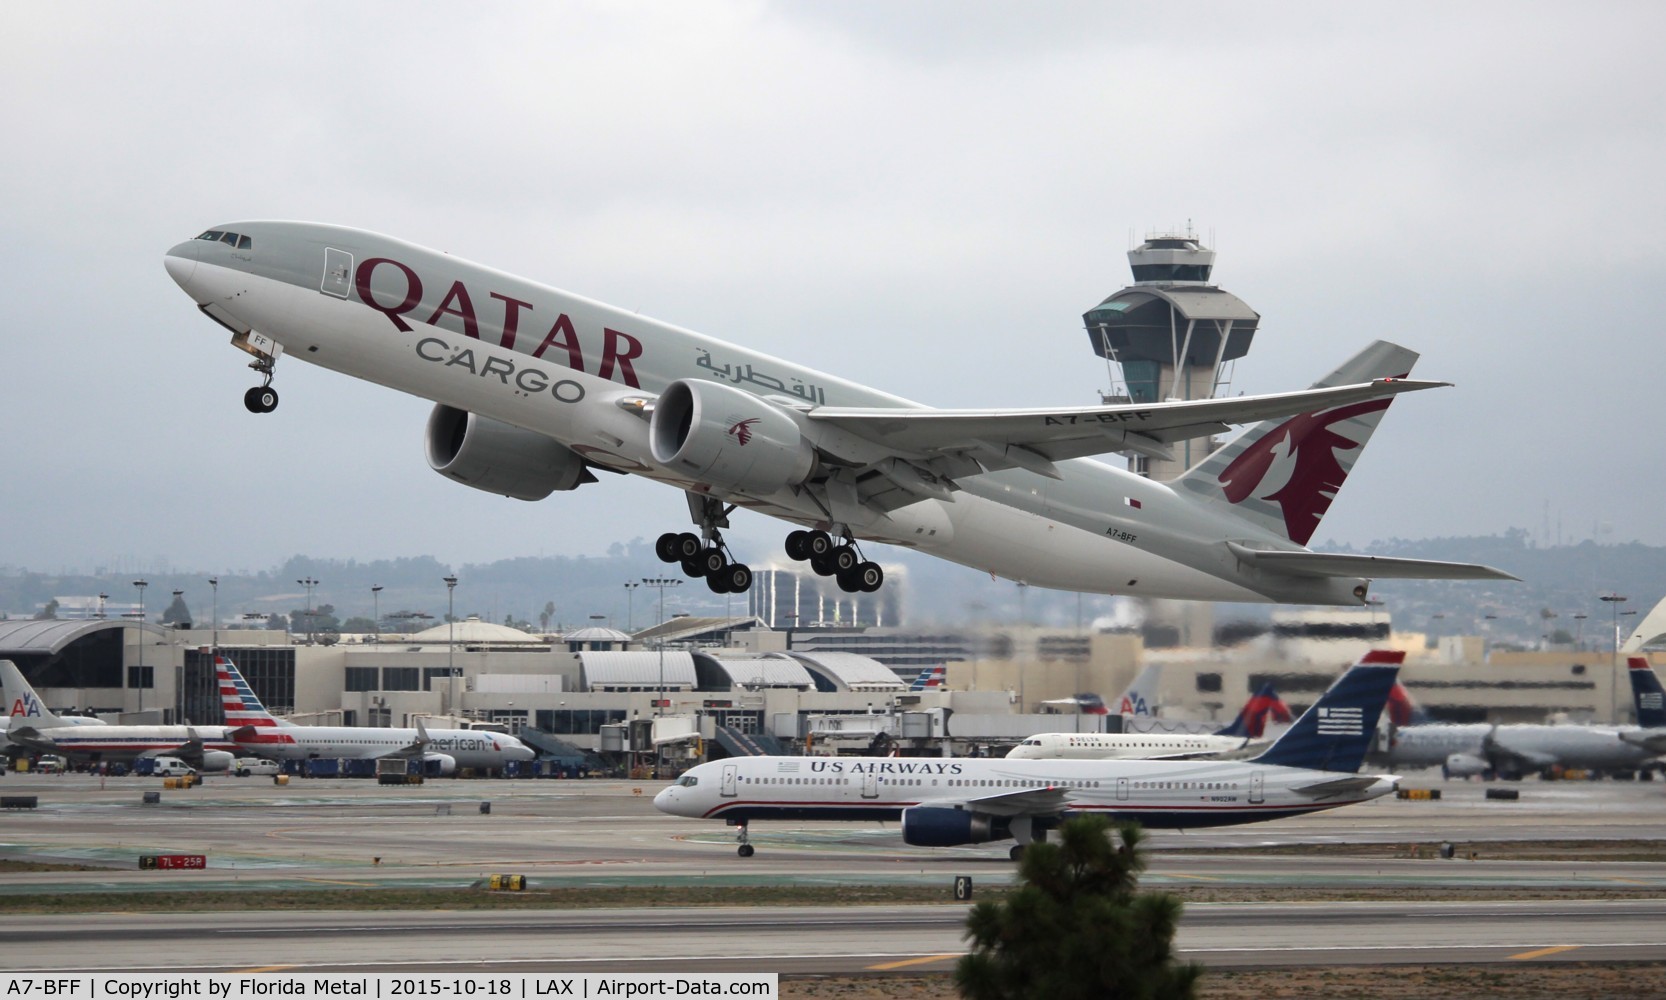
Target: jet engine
x=500, y=458
x=217, y=760
x=728, y=438
x=448, y=763
x=936, y=826
x=1466, y=765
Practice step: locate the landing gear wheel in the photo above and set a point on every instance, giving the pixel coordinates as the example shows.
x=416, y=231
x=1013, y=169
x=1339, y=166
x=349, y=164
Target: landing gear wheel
x=844, y=559
x=745, y=845
x=688, y=545
x=737, y=577
x=695, y=568
x=867, y=576
x=822, y=564
x=1017, y=852
x=712, y=561
x=818, y=543
x=718, y=583
x=798, y=545
x=666, y=547
x=261, y=399
x=746, y=850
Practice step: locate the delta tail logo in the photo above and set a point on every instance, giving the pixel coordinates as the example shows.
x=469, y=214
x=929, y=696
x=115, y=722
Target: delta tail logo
x=742, y=431
x=1296, y=466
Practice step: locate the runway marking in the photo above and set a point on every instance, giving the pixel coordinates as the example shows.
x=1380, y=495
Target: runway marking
x=337, y=881
x=1542, y=952
x=1199, y=878
x=905, y=963
x=265, y=968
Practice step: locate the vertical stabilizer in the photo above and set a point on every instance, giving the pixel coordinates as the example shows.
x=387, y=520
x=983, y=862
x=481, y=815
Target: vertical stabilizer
x=1141, y=696
x=1334, y=734
x=1251, y=723
x=1282, y=475
x=241, y=706
x=23, y=706
x=1646, y=689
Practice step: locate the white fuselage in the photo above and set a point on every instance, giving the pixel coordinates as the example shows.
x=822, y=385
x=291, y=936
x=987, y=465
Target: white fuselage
x=1522, y=746
x=563, y=366
x=1172, y=794
x=1120, y=746
x=126, y=743
x=468, y=747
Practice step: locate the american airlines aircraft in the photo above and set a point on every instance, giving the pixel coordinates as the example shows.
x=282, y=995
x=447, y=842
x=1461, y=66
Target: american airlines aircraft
x=948, y=801
x=254, y=730
x=1246, y=728
x=537, y=388
x=37, y=727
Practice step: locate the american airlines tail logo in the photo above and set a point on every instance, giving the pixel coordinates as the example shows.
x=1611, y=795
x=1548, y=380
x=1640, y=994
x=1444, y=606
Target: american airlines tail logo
x=1295, y=466
x=1342, y=721
x=742, y=431
x=28, y=706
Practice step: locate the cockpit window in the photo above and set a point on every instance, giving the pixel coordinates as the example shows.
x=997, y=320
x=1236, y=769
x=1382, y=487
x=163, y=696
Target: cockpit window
x=212, y=236
x=229, y=238
x=237, y=241
x=688, y=781
x=244, y=243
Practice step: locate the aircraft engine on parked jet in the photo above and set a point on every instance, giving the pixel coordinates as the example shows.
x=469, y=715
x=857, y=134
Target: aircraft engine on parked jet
x=448, y=763
x=1466, y=765
x=938, y=826
x=728, y=438
x=500, y=458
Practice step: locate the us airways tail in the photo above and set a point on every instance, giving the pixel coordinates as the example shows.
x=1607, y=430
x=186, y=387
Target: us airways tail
x=1335, y=732
x=1649, y=695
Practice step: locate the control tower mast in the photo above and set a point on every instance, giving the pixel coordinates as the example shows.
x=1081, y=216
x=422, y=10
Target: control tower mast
x=1172, y=334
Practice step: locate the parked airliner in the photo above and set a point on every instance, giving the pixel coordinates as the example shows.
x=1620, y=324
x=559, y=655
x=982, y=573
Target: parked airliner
x=1240, y=735
x=256, y=731
x=537, y=388
x=944, y=802
x=37, y=727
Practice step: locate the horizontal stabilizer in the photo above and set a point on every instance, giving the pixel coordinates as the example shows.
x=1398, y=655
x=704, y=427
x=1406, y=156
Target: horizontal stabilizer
x=1347, y=565
x=1337, y=786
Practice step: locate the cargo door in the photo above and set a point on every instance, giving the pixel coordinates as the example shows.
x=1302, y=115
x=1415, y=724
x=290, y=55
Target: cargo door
x=870, y=785
x=1256, y=788
x=727, y=790
x=1122, y=789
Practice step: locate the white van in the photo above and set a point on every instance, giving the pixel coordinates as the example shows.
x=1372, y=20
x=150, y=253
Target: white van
x=171, y=767
x=246, y=766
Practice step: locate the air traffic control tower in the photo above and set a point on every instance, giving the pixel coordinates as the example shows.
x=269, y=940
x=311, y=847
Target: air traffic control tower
x=1173, y=335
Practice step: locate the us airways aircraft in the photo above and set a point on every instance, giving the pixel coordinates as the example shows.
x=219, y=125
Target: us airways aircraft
x=37, y=727
x=945, y=802
x=536, y=388
x=1248, y=727
x=254, y=730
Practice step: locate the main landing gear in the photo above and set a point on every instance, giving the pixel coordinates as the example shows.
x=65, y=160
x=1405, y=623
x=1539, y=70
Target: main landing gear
x=704, y=555
x=262, y=398
x=842, y=561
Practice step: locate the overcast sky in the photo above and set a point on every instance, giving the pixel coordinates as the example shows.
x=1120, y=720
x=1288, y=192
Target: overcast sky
x=922, y=196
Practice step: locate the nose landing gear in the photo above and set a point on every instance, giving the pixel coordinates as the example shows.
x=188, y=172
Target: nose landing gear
x=262, y=398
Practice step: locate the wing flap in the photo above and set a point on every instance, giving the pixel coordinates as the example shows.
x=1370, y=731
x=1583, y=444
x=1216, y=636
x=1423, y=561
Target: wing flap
x=1022, y=802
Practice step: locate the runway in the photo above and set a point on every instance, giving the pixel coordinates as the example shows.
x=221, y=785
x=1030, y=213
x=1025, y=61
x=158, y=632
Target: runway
x=604, y=834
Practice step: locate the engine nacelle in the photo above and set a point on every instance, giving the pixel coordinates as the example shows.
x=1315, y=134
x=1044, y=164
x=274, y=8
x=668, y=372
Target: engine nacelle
x=217, y=760
x=936, y=826
x=1466, y=765
x=500, y=458
x=728, y=438
x=447, y=763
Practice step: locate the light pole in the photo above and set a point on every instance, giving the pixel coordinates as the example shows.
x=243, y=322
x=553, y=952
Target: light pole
x=451, y=627
x=308, y=583
x=101, y=599
x=376, y=611
x=659, y=583
x=214, y=642
x=1614, y=601
x=141, y=584
x=630, y=606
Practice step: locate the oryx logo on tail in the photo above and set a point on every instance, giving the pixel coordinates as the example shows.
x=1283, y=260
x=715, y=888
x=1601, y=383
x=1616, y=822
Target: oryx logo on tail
x=1299, y=465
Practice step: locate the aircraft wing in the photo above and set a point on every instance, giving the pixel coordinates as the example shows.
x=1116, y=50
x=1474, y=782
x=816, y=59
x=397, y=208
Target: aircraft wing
x=415, y=748
x=1337, y=786
x=1034, y=439
x=1326, y=564
x=1021, y=802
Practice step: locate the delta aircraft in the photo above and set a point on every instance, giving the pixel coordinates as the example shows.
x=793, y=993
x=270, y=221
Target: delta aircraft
x=253, y=730
x=1247, y=728
x=538, y=389
x=31, y=724
x=946, y=802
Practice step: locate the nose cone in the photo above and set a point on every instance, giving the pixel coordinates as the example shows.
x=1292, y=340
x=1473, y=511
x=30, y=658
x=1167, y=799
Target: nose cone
x=181, y=262
x=666, y=800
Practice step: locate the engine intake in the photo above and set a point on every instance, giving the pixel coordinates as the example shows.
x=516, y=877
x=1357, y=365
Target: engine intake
x=728, y=438
x=937, y=826
x=500, y=458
